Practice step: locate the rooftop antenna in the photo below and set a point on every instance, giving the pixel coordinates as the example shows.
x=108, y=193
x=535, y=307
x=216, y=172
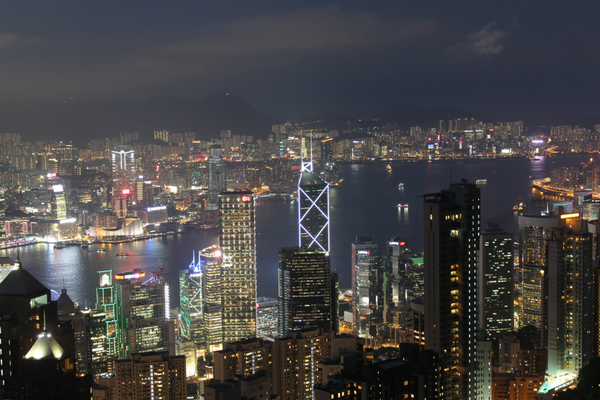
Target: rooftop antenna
x=44, y=320
x=311, y=152
x=306, y=165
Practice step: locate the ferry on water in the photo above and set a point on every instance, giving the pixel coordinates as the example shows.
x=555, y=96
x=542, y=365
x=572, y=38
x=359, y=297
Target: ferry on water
x=400, y=185
x=122, y=254
x=101, y=250
x=59, y=246
x=403, y=205
x=388, y=167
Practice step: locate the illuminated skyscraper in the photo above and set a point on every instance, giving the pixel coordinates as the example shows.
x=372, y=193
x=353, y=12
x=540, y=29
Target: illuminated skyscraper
x=59, y=206
x=568, y=288
x=367, y=287
x=313, y=212
x=304, y=290
x=123, y=167
x=534, y=232
x=237, y=241
x=200, y=300
x=267, y=316
x=146, y=312
x=217, y=181
x=496, y=270
x=108, y=301
x=451, y=236
x=191, y=301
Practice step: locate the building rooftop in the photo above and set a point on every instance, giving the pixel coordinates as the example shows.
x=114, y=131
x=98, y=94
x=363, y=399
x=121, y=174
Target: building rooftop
x=45, y=346
x=6, y=261
x=310, y=179
x=20, y=283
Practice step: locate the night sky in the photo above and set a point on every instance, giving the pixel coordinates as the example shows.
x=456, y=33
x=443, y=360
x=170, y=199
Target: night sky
x=502, y=60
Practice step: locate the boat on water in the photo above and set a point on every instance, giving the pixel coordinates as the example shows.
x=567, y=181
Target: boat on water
x=480, y=181
x=388, y=167
x=85, y=245
x=400, y=185
x=101, y=250
x=520, y=206
x=400, y=205
x=122, y=254
x=59, y=246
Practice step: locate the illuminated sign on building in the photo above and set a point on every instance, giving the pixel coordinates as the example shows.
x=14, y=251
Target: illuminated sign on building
x=245, y=199
x=570, y=215
x=57, y=188
x=363, y=252
x=150, y=209
x=125, y=192
x=130, y=275
x=104, y=279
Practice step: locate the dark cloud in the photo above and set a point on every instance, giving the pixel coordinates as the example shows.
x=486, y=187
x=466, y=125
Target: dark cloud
x=291, y=58
x=6, y=39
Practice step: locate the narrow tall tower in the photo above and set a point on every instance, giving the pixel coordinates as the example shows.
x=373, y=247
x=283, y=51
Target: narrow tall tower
x=496, y=271
x=237, y=241
x=313, y=212
x=451, y=237
x=313, y=209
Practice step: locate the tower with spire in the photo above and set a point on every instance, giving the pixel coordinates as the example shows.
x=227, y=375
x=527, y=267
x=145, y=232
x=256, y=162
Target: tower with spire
x=313, y=209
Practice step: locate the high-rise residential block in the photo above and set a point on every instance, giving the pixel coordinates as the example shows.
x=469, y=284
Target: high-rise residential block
x=568, y=311
x=154, y=375
x=534, y=234
x=237, y=241
x=451, y=237
x=295, y=362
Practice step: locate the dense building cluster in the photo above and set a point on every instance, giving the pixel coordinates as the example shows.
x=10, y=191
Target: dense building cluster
x=479, y=314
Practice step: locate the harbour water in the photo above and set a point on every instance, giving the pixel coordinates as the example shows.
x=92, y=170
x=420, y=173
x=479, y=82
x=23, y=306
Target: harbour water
x=366, y=203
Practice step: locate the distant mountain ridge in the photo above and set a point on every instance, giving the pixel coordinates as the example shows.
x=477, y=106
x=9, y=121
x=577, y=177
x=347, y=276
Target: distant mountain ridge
x=403, y=116
x=81, y=121
x=406, y=116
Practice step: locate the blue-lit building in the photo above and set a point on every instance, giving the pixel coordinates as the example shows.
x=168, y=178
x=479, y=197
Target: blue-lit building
x=200, y=298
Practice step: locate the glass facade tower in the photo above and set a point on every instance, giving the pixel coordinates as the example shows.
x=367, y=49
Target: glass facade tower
x=313, y=212
x=305, y=295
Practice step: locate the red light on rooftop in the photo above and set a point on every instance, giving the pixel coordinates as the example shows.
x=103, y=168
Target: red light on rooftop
x=402, y=243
